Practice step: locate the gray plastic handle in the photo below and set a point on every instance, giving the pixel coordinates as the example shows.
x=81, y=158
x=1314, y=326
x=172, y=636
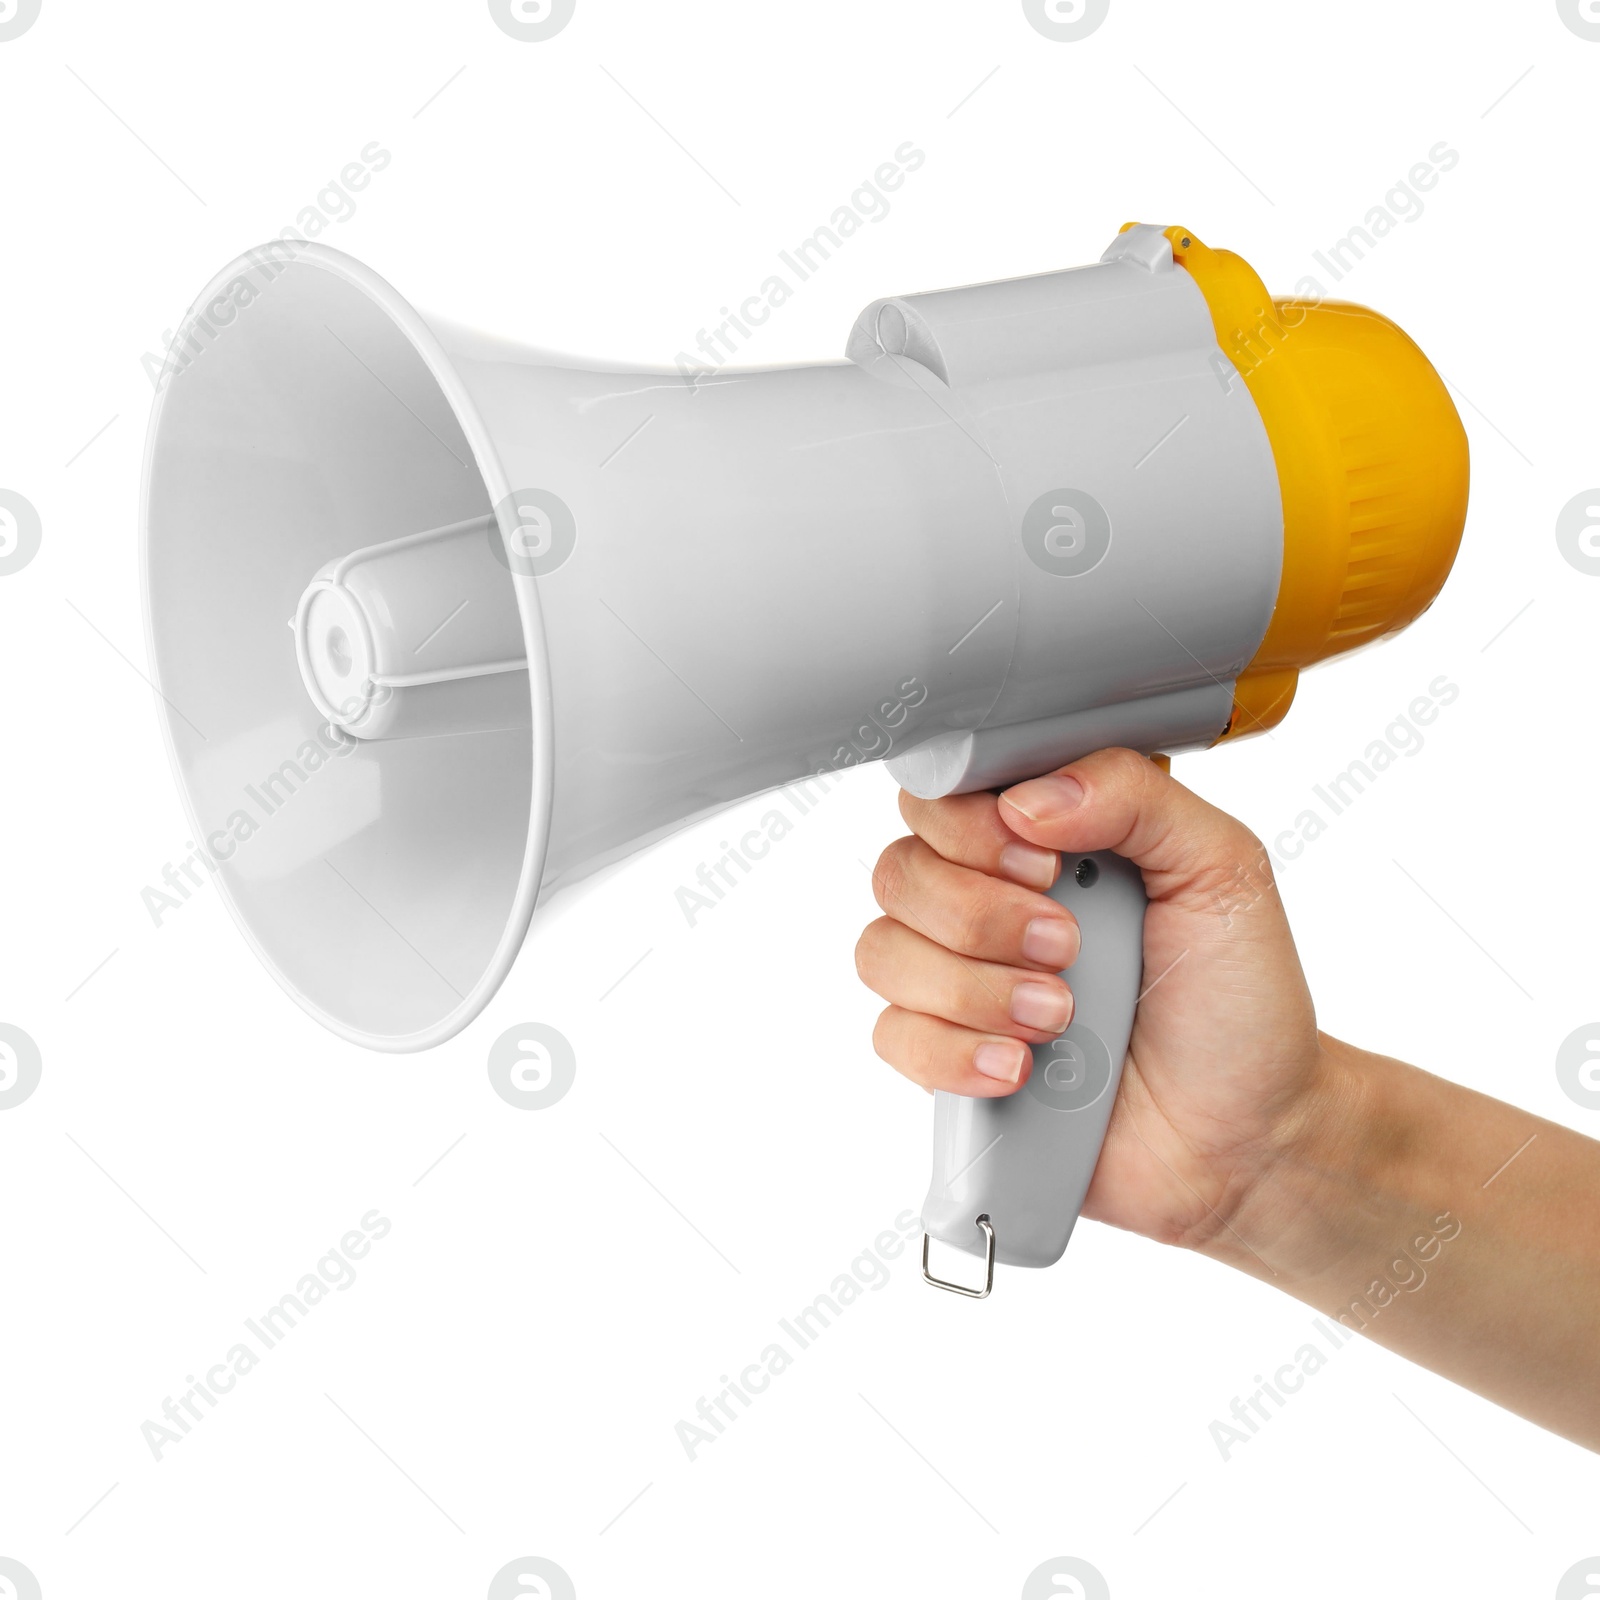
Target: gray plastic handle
x=1025, y=1161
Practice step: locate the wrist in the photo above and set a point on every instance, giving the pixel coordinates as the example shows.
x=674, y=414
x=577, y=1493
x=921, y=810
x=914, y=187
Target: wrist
x=1299, y=1215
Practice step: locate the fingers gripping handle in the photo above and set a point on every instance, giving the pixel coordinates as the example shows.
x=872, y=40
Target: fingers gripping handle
x=1024, y=1162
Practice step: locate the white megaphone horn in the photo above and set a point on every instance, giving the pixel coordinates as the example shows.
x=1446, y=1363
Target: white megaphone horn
x=439, y=622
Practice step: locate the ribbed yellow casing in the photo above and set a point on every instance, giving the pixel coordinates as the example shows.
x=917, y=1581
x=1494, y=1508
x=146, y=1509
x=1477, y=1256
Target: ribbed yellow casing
x=1372, y=468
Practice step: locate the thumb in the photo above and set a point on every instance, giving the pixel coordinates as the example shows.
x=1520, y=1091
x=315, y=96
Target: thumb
x=1188, y=850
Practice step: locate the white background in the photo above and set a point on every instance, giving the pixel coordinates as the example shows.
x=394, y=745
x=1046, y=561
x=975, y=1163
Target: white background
x=558, y=1291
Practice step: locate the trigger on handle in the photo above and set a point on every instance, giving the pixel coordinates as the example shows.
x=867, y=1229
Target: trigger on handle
x=988, y=1265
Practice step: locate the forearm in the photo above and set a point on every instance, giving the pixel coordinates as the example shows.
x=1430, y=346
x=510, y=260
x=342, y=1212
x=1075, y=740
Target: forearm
x=1458, y=1231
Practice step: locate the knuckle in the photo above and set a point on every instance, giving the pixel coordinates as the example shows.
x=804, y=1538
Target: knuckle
x=1253, y=852
x=956, y=999
x=897, y=1040
x=919, y=1056
x=1243, y=877
x=881, y=1031
x=1238, y=840
x=1241, y=854
x=1123, y=766
x=890, y=877
x=869, y=949
x=975, y=825
x=969, y=920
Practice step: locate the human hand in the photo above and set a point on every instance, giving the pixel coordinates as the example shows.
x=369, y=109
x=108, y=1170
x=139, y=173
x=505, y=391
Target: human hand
x=1224, y=1064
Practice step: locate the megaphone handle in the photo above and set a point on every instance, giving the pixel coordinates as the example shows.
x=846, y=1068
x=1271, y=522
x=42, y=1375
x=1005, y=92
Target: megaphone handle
x=1022, y=1164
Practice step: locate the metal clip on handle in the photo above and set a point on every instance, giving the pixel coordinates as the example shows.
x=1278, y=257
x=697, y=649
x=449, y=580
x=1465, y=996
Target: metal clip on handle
x=988, y=1266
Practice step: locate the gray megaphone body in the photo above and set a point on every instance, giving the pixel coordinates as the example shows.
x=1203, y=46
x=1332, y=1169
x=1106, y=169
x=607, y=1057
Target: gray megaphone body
x=439, y=622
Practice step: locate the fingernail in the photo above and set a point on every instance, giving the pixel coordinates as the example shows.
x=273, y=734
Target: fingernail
x=1039, y=799
x=1000, y=1059
x=1050, y=941
x=1041, y=1006
x=1029, y=865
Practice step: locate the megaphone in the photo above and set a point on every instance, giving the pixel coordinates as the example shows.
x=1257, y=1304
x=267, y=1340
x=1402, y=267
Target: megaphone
x=439, y=622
